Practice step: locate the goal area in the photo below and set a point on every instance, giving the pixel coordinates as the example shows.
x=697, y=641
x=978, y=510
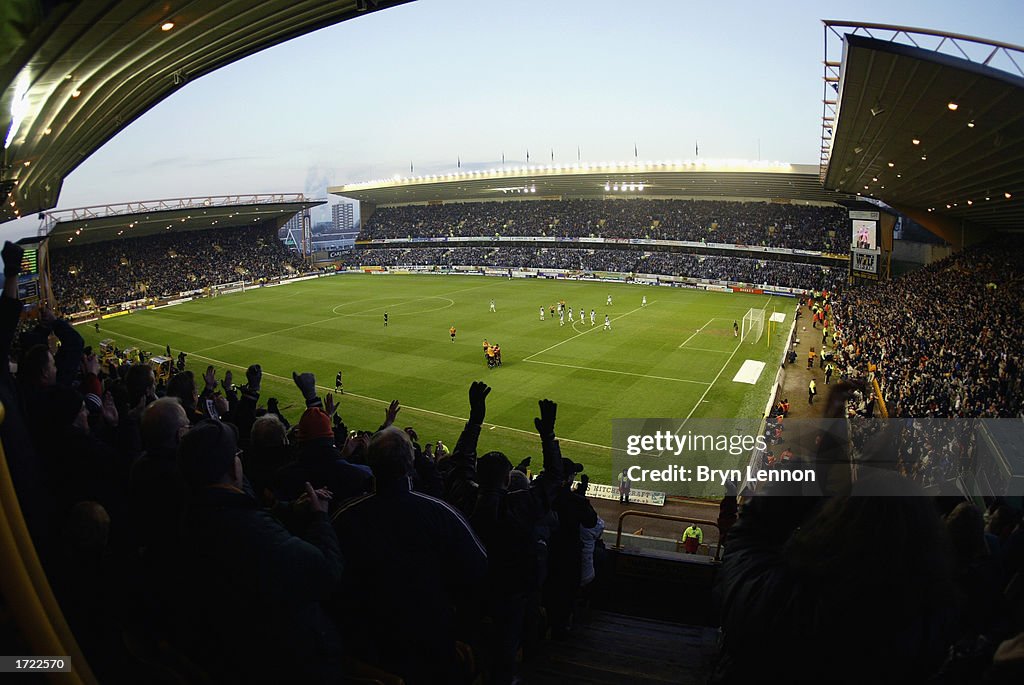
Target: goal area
x=753, y=325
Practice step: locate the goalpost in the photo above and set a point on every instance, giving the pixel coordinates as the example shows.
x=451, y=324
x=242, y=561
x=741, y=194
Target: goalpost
x=227, y=288
x=753, y=325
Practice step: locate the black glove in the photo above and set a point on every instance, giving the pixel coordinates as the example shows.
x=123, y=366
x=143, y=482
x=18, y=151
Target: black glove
x=306, y=383
x=546, y=423
x=478, y=392
x=254, y=377
x=12, y=255
x=523, y=465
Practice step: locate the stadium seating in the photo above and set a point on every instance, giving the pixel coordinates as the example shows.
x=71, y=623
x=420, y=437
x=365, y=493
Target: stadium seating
x=747, y=223
x=111, y=272
x=464, y=549
x=946, y=339
x=711, y=267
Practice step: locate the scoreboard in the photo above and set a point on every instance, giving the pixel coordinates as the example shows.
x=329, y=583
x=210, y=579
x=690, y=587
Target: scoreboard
x=28, y=279
x=30, y=261
x=864, y=249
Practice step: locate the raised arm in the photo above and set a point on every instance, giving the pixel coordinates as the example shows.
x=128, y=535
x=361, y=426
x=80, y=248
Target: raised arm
x=244, y=410
x=69, y=357
x=461, y=478
x=545, y=425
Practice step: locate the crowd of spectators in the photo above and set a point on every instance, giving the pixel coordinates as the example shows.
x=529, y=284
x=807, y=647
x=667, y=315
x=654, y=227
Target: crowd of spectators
x=876, y=551
x=710, y=267
x=187, y=517
x=191, y=534
x=110, y=272
x=946, y=340
x=767, y=224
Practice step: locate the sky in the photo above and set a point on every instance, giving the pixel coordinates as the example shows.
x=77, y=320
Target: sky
x=434, y=81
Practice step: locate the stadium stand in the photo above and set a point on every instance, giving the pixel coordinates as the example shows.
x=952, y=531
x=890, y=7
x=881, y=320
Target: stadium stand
x=112, y=272
x=747, y=223
x=110, y=536
x=272, y=575
x=946, y=339
x=187, y=548
x=786, y=274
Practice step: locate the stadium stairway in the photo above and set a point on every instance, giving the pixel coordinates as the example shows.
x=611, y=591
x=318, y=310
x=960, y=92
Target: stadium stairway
x=648, y=620
x=607, y=648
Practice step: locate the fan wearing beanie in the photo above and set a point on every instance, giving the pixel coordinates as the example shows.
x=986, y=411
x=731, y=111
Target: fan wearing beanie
x=254, y=586
x=314, y=424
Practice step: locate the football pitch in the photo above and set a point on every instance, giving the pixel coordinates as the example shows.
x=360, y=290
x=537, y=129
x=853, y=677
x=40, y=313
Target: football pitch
x=675, y=357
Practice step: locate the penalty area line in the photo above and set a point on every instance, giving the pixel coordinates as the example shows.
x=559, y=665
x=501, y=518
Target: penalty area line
x=695, y=333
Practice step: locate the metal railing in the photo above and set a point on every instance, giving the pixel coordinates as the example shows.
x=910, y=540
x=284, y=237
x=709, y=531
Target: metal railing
x=668, y=517
x=54, y=217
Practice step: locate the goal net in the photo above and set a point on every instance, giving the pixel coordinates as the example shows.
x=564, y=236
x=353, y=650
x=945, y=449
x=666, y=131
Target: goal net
x=753, y=325
x=227, y=288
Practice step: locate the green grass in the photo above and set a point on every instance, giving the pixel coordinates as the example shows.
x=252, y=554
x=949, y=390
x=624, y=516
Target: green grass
x=637, y=370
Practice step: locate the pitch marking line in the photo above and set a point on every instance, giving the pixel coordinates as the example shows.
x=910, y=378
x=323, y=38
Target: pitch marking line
x=712, y=384
x=706, y=349
x=367, y=398
x=720, y=371
x=621, y=373
x=339, y=316
x=695, y=333
x=596, y=327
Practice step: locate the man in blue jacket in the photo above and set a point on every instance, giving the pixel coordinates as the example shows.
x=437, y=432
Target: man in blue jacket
x=413, y=560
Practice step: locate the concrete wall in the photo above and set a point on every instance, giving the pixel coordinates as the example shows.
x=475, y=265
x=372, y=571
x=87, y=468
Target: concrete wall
x=919, y=253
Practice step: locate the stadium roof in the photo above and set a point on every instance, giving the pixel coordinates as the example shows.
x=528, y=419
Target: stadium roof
x=74, y=74
x=926, y=121
x=702, y=178
x=136, y=219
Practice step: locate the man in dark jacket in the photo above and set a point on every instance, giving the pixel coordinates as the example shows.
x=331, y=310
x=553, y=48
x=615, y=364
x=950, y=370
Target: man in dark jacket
x=573, y=511
x=804, y=567
x=413, y=559
x=256, y=589
x=156, y=492
x=508, y=523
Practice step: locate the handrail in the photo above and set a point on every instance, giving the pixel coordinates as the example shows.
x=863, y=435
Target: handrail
x=668, y=517
x=27, y=592
x=883, y=410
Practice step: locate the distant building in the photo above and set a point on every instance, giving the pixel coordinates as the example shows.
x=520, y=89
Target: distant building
x=343, y=232
x=343, y=216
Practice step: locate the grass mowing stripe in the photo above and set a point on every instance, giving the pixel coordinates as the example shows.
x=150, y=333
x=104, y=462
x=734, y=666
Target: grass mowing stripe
x=338, y=316
x=623, y=373
x=415, y=361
